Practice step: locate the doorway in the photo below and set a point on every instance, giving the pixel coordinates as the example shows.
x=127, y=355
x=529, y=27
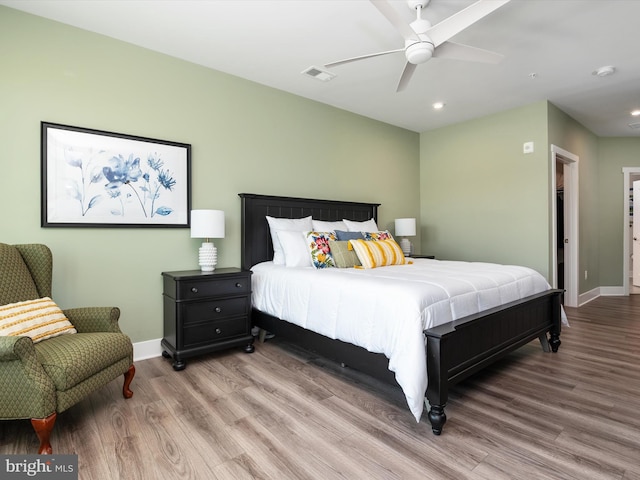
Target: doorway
x=630, y=262
x=564, y=223
x=560, y=236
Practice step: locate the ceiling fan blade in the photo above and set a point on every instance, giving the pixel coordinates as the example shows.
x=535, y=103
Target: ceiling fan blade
x=458, y=51
x=407, y=73
x=361, y=57
x=466, y=17
x=396, y=20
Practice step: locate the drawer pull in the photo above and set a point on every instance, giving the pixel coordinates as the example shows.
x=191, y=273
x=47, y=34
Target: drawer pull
x=194, y=289
x=218, y=331
x=218, y=309
x=239, y=285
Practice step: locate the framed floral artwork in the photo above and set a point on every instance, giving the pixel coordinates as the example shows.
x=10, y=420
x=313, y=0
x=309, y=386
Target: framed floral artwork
x=92, y=178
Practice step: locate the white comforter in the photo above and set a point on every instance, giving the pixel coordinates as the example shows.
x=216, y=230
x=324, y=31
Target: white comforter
x=385, y=310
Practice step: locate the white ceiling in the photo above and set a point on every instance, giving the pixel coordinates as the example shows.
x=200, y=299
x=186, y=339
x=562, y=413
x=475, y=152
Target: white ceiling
x=271, y=42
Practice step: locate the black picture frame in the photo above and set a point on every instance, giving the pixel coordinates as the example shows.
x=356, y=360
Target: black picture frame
x=95, y=178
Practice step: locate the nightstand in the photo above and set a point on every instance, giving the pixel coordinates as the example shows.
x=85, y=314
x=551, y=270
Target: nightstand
x=413, y=255
x=205, y=312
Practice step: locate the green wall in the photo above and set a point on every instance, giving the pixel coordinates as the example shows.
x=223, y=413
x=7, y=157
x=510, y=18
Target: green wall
x=571, y=136
x=482, y=198
x=614, y=155
x=245, y=138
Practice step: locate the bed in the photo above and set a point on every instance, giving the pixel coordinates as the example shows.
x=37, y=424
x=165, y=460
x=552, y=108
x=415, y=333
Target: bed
x=454, y=350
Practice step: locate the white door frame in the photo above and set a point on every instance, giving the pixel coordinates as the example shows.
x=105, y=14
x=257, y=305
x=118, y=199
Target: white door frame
x=626, y=248
x=634, y=237
x=570, y=172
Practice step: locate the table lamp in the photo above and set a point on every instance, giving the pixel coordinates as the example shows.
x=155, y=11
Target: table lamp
x=207, y=224
x=405, y=227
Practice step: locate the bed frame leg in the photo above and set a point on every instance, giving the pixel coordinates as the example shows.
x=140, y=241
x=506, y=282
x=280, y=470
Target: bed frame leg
x=437, y=417
x=544, y=341
x=554, y=332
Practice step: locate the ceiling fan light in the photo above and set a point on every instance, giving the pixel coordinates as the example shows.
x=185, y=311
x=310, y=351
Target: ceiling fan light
x=419, y=52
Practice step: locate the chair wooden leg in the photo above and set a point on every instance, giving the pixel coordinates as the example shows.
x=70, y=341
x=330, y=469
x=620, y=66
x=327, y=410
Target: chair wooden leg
x=128, y=377
x=43, y=428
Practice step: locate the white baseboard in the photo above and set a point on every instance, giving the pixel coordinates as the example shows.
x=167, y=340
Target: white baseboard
x=146, y=349
x=611, y=291
x=586, y=297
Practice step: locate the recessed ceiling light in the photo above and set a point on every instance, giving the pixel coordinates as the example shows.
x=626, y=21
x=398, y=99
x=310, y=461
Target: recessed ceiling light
x=604, y=71
x=635, y=113
x=438, y=106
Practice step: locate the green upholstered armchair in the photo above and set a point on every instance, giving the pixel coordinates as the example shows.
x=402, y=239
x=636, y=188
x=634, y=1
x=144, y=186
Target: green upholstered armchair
x=39, y=380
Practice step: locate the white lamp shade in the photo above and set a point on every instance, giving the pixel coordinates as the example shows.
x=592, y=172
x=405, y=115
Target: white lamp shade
x=405, y=227
x=207, y=224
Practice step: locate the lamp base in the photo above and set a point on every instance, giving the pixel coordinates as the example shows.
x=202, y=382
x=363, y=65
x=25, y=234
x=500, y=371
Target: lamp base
x=405, y=245
x=207, y=257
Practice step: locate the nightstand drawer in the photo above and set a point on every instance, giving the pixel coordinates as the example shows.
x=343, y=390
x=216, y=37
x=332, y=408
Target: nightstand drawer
x=208, y=332
x=197, y=312
x=194, y=289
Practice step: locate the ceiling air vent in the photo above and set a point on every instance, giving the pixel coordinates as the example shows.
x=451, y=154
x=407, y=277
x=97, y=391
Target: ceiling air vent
x=319, y=74
x=634, y=125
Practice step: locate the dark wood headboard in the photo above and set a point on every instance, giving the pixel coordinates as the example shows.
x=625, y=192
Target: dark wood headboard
x=255, y=235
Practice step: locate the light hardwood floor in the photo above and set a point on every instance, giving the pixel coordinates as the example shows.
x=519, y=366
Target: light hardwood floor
x=281, y=414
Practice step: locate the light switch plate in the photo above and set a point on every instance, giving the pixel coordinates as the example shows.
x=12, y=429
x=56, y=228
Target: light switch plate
x=527, y=147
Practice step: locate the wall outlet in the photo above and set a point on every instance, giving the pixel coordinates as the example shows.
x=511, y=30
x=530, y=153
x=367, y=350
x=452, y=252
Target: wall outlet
x=586, y=275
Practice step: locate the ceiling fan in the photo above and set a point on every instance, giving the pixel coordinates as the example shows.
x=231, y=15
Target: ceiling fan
x=423, y=41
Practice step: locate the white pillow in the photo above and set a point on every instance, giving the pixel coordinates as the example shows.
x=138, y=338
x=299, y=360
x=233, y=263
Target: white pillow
x=287, y=224
x=366, y=226
x=294, y=247
x=321, y=226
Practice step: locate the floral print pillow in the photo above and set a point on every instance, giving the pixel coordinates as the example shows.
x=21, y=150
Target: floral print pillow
x=318, y=243
x=377, y=236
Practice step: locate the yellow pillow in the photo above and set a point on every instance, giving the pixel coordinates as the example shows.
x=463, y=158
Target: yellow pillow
x=38, y=319
x=378, y=254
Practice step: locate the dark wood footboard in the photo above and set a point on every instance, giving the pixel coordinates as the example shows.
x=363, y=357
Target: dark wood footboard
x=458, y=349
